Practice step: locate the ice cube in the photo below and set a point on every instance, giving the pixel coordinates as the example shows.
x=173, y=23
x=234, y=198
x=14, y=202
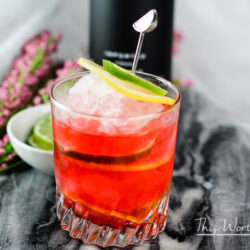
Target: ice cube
x=92, y=96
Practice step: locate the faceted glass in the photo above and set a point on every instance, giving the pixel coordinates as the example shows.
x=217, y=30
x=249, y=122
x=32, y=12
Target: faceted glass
x=113, y=188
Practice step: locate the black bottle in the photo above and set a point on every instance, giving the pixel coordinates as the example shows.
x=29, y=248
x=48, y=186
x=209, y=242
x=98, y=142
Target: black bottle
x=112, y=36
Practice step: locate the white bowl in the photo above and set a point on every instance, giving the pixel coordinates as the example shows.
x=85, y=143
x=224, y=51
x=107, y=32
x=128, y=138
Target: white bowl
x=19, y=127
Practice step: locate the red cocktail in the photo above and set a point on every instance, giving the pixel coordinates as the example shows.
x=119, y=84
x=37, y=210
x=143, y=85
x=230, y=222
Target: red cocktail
x=113, y=171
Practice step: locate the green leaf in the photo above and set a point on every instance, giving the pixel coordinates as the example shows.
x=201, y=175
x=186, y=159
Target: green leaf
x=51, y=40
x=67, y=85
x=8, y=148
x=37, y=61
x=45, y=97
x=11, y=96
x=11, y=166
x=20, y=80
x=3, y=158
x=176, y=82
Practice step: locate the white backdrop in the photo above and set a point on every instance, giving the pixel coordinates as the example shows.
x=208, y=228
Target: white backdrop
x=215, y=52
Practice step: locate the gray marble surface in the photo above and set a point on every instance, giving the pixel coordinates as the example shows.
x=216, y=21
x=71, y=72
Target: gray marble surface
x=209, y=195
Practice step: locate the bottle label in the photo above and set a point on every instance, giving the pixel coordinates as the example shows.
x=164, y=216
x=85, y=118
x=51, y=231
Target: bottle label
x=124, y=59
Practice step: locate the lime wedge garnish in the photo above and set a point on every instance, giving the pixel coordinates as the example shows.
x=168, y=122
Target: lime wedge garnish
x=42, y=134
x=126, y=88
x=127, y=75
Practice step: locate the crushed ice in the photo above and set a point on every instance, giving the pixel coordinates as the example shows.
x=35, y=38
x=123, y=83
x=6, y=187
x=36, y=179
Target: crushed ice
x=91, y=95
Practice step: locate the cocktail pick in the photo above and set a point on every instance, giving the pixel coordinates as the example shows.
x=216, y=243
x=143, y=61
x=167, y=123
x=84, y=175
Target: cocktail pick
x=145, y=24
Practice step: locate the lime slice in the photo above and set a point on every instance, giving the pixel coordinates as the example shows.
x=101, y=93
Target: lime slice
x=32, y=142
x=42, y=133
x=124, y=87
x=127, y=75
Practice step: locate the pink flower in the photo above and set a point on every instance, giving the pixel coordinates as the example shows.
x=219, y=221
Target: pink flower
x=37, y=100
x=10, y=157
x=28, y=71
x=16, y=103
x=177, y=38
x=18, y=88
x=43, y=45
x=45, y=35
x=52, y=47
x=2, y=120
x=69, y=64
x=175, y=49
x=30, y=80
x=31, y=49
x=47, y=59
x=4, y=165
x=43, y=91
x=2, y=151
x=4, y=96
x=178, y=35
x=187, y=83
x=12, y=79
x=6, y=139
x=42, y=70
x=58, y=38
x=6, y=112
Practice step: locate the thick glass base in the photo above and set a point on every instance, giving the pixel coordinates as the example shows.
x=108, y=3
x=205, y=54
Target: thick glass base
x=105, y=235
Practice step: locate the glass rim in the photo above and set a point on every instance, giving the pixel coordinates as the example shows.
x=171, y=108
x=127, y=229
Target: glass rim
x=143, y=116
